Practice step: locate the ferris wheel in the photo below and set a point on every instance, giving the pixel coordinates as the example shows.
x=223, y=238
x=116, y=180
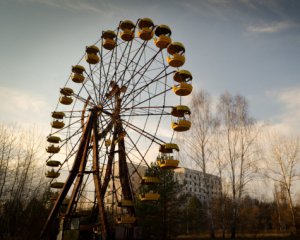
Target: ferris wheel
x=117, y=112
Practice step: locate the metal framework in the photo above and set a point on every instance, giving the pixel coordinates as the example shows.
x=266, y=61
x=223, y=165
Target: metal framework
x=118, y=118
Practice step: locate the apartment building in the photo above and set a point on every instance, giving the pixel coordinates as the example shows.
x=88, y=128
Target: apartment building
x=193, y=182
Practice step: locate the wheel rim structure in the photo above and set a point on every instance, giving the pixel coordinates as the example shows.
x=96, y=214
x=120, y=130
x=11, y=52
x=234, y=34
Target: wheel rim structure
x=110, y=117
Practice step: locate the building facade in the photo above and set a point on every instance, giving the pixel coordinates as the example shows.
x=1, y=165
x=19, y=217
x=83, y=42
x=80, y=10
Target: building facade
x=193, y=182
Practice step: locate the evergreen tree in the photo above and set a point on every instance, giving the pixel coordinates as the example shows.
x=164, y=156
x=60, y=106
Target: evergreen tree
x=162, y=219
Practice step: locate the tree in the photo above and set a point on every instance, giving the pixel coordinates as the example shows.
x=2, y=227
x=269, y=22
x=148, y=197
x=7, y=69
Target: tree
x=22, y=180
x=283, y=168
x=194, y=215
x=198, y=144
x=239, y=133
x=163, y=218
x=7, y=152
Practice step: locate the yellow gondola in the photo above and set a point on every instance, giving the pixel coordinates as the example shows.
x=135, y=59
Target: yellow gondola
x=58, y=115
x=166, y=159
x=52, y=149
x=163, y=39
x=66, y=91
x=52, y=174
x=176, y=47
x=183, y=89
x=181, y=125
x=66, y=94
x=53, y=139
x=77, y=74
x=180, y=111
x=168, y=147
x=145, y=22
x=65, y=100
x=182, y=76
x=126, y=219
x=53, y=163
x=127, y=33
x=57, y=124
x=167, y=163
x=57, y=185
x=146, y=26
x=109, y=42
x=149, y=196
x=149, y=180
x=78, y=69
x=177, y=58
x=92, y=54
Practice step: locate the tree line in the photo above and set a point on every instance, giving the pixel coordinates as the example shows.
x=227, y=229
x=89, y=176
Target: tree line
x=224, y=140
x=22, y=183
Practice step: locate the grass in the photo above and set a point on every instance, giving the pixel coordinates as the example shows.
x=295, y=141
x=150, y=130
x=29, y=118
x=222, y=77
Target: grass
x=247, y=236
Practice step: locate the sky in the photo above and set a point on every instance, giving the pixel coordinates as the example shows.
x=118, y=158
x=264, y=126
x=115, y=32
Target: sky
x=246, y=47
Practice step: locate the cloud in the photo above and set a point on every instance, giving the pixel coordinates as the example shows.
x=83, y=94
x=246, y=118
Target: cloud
x=270, y=27
x=18, y=100
x=70, y=5
x=288, y=120
x=21, y=107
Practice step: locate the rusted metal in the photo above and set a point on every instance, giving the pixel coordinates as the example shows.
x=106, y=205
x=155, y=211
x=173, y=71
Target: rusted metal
x=71, y=177
x=97, y=182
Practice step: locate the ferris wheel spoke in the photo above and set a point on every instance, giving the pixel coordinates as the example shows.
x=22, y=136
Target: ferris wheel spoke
x=65, y=127
x=138, y=91
x=148, y=99
x=106, y=82
x=144, y=111
x=126, y=63
x=118, y=64
x=143, y=132
x=136, y=148
x=83, y=100
x=105, y=131
x=103, y=75
x=140, y=156
x=88, y=92
x=121, y=78
x=145, y=67
x=132, y=62
x=96, y=89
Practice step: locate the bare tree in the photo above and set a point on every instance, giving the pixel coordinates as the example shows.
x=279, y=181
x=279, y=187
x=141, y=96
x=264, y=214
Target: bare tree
x=283, y=167
x=199, y=146
x=21, y=178
x=7, y=146
x=238, y=132
x=220, y=166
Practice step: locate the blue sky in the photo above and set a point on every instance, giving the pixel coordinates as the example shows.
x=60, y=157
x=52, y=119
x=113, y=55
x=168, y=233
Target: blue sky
x=243, y=46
